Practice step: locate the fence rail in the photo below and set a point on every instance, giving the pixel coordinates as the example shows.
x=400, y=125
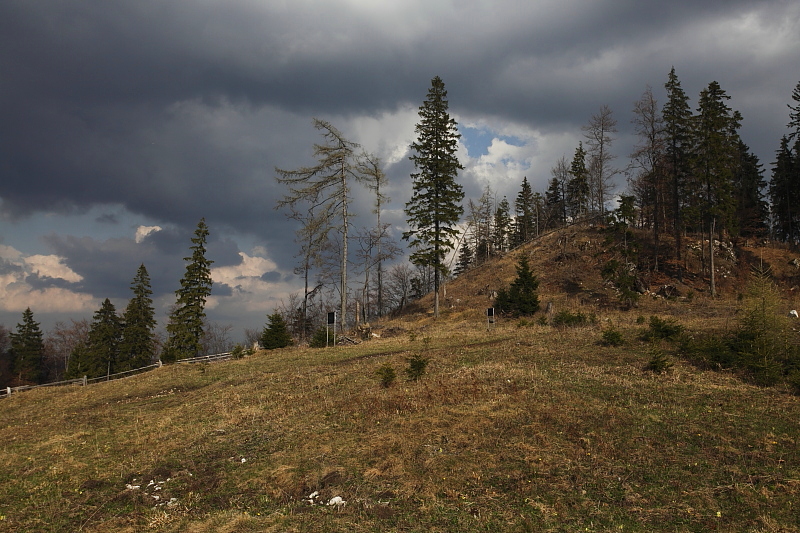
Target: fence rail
x=119, y=375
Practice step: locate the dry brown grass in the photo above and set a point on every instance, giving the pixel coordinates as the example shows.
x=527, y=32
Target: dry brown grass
x=528, y=428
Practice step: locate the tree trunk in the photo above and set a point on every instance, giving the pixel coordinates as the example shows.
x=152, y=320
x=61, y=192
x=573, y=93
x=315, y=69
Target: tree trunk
x=711, y=255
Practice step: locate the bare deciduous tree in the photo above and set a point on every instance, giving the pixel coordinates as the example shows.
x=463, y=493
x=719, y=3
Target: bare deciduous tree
x=599, y=139
x=326, y=186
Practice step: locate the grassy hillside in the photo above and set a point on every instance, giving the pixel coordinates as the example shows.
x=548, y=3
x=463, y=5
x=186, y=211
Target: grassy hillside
x=524, y=427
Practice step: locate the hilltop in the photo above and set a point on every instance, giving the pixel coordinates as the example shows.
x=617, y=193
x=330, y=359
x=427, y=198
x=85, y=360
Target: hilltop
x=519, y=427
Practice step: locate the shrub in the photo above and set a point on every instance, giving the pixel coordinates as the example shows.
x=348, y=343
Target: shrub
x=662, y=329
x=417, y=364
x=276, y=333
x=658, y=361
x=520, y=299
x=612, y=337
x=386, y=374
x=320, y=338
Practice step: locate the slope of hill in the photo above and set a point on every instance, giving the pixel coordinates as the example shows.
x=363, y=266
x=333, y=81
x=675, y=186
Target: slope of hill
x=521, y=427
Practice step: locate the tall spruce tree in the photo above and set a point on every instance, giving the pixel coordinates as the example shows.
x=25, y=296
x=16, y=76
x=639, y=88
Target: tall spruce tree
x=794, y=114
x=137, y=347
x=502, y=226
x=784, y=194
x=554, y=203
x=524, y=214
x=715, y=158
x=677, y=119
x=435, y=206
x=578, y=190
x=99, y=356
x=27, y=351
x=465, y=258
x=751, y=208
x=185, y=328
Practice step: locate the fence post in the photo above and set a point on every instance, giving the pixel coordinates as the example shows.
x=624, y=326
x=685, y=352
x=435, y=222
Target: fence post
x=84, y=381
x=8, y=391
x=160, y=363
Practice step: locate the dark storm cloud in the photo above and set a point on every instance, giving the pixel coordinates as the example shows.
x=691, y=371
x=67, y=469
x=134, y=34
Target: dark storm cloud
x=108, y=267
x=182, y=109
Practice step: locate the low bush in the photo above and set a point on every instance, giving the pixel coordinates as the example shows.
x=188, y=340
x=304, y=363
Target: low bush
x=417, y=364
x=662, y=329
x=612, y=337
x=569, y=319
x=386, y=374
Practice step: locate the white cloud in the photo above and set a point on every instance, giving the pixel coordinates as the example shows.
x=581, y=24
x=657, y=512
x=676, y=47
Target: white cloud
x=51, y=266
x=16, y=294
x=251, y=293
x=143, y=231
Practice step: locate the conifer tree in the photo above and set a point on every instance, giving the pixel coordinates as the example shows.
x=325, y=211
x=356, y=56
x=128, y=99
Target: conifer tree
x=676, y=117
x=435, y=206
x=751, y=208
x=794, y=115
x=715, y=158
x=521, y=298
x=502, y=226
x=276, y=333
x=27, y=350
x=577, y=194
x=554, y=203
x=100, y=354
x=465, y=258
x=784, y=193
x=524, y=214
x=137, y=347
x=185, y=328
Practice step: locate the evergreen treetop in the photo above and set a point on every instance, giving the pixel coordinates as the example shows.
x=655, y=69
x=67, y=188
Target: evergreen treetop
x=186, y=322
x=520, y=299
x=435, y=206
x=276, y=333
x=137, y=346
x=27, y=350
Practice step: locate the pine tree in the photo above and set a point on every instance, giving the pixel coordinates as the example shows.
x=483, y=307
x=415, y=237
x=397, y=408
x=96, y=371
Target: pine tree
x=502, y=226
x=677, y=117
x=524, y=214
x=751, y=208
x=577, y=196
x=794, y=115
x=276, y=333
x=185, y=328
x=27, y=350
x=100, y=354
x=715, y=157
x=554, y=204
x=137, y=347
x=465, y=258
x=784, y=195
x=435, y=206
x=520, y=299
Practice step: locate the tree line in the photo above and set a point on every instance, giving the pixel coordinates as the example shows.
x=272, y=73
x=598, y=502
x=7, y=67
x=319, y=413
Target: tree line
x=112, y=343
x=689, y=173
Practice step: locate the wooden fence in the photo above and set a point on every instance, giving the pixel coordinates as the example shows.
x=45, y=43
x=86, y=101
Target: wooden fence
x=120, y=375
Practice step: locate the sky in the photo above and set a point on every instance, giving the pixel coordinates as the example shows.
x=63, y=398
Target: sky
x=123, y=123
